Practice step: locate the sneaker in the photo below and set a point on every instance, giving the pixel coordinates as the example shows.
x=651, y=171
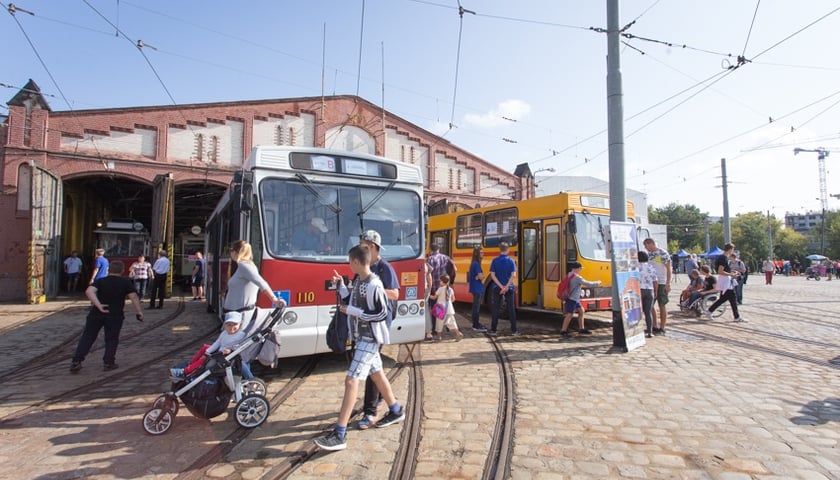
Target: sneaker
x=492, y=333
x=177, y=372
x=741, y=320
x=516, y=333
x=658, y=331
x=110, y=366
x=565, y=334
x=391, y=418
x=332, y=441
x=480, y=329
x=75, y=367
x=584, y=331
x=429, y=339
x=707, y=314
x=366, y=422
x=648, y=335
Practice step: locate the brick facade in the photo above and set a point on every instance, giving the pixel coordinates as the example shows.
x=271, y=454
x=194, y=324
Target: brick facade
x=206, y=143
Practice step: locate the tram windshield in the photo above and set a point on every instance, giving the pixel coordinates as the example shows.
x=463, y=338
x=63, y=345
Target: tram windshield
x=591, y=236
x=121, y=244
x=321, y=222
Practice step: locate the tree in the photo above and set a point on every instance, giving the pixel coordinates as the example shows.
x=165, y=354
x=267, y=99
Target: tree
x=749, y=234
x=789, y=245
x=686, y=225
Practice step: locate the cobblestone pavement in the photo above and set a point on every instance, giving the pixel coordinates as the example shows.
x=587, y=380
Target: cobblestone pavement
x=715, y=400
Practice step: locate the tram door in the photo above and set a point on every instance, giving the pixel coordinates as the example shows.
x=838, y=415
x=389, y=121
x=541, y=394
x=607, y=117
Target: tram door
x=530, y=246
x=553, y=263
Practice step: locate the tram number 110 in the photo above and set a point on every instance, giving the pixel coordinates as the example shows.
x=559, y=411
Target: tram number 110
x=306, y=297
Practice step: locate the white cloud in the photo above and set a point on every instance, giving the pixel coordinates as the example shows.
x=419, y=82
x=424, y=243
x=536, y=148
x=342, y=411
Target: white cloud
x=508, y=109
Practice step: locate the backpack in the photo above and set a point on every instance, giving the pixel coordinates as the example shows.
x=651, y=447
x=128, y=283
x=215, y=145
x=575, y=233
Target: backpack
x=563, y=289
x=338, y=332
x=450, y=270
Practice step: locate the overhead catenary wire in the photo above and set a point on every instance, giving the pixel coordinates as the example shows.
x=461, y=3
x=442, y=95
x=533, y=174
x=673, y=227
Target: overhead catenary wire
x=499, y=137
x=752, y=23
x=12, y=9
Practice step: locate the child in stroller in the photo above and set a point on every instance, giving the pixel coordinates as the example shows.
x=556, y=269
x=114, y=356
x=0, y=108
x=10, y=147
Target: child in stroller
x=230, y=337
x=207, y=390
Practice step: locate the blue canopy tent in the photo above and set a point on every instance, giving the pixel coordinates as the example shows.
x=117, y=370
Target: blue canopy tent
x=715, y=252
x=681, y=255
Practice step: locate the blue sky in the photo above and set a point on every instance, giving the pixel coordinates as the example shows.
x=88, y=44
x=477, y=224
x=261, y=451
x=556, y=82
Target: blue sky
x=531, y=78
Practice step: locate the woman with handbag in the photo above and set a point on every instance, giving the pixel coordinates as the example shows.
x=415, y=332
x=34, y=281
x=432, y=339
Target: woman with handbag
x=443, y=311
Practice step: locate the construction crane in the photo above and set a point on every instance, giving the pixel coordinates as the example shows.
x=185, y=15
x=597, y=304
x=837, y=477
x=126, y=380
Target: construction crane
x=821, y=154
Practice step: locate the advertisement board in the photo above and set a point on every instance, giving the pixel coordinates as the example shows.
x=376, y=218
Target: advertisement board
x=626, y=260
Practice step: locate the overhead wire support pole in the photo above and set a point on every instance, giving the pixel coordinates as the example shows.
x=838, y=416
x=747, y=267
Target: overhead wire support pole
x=727, y=236
x=615, y=134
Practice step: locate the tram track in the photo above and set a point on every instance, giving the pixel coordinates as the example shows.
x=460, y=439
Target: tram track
x=404, y=463
x=198, y=469
x=85, y=388
x=57, y=353
x=758, y=346
x=800, y=315
x=497, y=465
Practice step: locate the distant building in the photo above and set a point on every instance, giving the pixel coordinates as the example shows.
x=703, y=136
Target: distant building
x=802, y=222
x=806, y=224
x=557, y=184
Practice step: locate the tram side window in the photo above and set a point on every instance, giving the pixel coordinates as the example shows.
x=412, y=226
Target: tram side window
x=552, y=253
x=500, y=226
x=468, y=231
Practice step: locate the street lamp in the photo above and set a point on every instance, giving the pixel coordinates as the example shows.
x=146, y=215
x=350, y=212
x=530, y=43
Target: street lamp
x=548, y=169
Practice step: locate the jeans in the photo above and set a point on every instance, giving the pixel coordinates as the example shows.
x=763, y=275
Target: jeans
x=647, y=307
x=739, y=292
x=140, y=287
x=476, y=308
x=96, y=321
x=497, y=301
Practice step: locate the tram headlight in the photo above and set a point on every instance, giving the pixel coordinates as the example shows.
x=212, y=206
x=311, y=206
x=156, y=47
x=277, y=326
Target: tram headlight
x=414, y=309
x=290, y=317
x=402, y=309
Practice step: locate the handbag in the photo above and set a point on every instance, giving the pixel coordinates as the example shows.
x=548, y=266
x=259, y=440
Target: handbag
x=439, y=311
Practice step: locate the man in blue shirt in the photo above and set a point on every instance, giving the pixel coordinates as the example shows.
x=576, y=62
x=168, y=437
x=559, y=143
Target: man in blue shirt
x=100, y=266
x=503, y=278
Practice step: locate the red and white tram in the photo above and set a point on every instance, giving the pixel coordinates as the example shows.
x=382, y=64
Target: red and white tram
x=302, y=209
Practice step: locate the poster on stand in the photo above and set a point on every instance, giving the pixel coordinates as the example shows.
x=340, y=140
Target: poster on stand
x=626, y=260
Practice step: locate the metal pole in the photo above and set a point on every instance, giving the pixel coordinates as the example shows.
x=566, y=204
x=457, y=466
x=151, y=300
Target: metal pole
x=822, y=233
x=615, y=135
x=727, y=237
x=769, y=236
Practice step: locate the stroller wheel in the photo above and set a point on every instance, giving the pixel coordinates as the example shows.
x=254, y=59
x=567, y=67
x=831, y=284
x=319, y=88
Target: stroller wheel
x=255, y=386
x=252, y=411
x=168, y=403
x=157, y=421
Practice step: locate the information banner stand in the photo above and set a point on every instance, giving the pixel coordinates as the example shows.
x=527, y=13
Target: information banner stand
x=624, y=248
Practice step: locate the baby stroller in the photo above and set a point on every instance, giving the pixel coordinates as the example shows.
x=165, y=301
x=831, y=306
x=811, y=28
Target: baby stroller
x=207, y=392
x=702, y=304
x=812, y=273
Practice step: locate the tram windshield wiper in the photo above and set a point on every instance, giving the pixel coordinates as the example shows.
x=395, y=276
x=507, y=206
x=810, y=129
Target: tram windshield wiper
x=373, y=201
x=311, y=188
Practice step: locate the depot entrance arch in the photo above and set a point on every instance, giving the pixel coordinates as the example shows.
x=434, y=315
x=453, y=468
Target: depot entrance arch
x=161, y=213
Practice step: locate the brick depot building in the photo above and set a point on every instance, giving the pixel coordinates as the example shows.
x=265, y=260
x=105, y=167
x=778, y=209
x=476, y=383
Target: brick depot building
x=164, y=167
